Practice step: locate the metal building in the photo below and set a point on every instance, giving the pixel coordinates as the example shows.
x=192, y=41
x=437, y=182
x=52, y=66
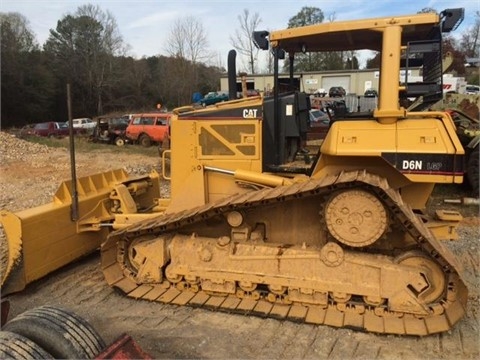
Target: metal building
x=355, y=82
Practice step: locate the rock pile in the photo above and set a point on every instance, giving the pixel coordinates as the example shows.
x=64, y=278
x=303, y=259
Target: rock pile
x=15, y=149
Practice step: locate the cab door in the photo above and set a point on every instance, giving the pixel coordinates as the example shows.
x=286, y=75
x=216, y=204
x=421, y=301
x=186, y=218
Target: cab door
x=135, y=128
x=160, y=130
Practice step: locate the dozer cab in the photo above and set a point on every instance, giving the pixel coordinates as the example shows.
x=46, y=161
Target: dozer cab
x=341, y=240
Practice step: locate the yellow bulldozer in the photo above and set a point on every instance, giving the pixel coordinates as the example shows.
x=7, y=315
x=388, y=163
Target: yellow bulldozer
x=342, y=240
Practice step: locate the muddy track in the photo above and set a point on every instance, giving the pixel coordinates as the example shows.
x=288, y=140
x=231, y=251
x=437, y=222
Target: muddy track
x=348, y=314
x=171, y=331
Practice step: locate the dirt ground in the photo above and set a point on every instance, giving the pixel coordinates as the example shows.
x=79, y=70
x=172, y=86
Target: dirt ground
x=169, y=331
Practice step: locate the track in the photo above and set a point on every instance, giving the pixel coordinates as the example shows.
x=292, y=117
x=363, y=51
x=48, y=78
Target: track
x=442, y=315
x=169, y=331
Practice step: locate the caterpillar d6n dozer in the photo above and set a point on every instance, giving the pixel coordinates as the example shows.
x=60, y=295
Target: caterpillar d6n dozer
x=342, y=240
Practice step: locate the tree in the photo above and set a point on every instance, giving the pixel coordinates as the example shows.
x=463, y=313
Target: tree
x=319, y=61
x=82, y=48
x=308, y=61
x=351, y=62
x=132, y=87
x=188, y=40
x=306, y=16
x=242, y=41
x=26, y=84
x=427, y=10
x=470, y=40
x=187, y=43
x=111, y=44
x=87, y=50
x=270, y=61
x=449, y=44
x=16, y=34
x=374, y=62
x=112, y=41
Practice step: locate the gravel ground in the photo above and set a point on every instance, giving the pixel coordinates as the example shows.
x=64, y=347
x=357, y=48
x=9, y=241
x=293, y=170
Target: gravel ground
x=29, y=176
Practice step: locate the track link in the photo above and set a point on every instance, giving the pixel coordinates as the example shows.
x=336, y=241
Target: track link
x=442, y=315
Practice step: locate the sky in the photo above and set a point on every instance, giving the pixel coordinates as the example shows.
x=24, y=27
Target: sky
x=145, y=25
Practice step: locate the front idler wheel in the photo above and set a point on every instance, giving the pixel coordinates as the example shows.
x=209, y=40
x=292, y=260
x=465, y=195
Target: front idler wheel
x=430, y=271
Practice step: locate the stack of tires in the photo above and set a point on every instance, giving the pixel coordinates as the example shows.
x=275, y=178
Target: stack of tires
x=49, y=332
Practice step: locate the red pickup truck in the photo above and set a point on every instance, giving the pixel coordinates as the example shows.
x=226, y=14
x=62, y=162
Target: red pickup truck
x=49, y=129
x=146, y=129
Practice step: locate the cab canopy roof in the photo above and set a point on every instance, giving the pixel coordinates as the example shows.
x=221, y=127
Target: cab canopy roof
x=362, y=34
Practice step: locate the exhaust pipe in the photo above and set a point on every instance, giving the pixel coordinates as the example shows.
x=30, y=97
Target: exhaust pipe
x=232, y=75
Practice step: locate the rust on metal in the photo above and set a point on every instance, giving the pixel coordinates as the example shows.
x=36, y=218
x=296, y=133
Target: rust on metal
x=124, y=348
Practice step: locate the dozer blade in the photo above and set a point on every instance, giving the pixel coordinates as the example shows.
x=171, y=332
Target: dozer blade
x=43, y=239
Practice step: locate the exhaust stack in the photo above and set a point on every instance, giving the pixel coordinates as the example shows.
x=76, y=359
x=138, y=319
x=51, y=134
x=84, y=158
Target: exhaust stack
x=232, y=75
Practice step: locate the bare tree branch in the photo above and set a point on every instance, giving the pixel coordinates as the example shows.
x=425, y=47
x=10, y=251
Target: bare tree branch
x=188, y=44
x=242, y=41
x=470, y=40
x=188, y=40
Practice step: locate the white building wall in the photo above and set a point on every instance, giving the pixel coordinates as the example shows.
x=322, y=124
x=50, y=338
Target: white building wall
x=355, y=81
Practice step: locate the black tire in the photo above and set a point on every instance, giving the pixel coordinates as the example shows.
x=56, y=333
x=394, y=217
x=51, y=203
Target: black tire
x=61, y=333
x=160, y=150
x=166, y=144
x=167, y=165
x=119, y=141
x=145, y=141
x=472, y=170
x=15, y=346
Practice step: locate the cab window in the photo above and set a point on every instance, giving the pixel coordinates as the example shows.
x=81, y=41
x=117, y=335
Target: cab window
x=148, y=120
x=162, y=121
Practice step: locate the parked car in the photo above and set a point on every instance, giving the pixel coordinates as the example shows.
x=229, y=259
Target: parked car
x=473, y=89
x=48, y=129
x=317, y=115
x=84, y=123
x=26, y=131
x=320, y=92
x=370, y=93
x=337, y=91
x=319, y=125
x=146, y=129
x=111, y=130
x=252, y=92
x=213, y=98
